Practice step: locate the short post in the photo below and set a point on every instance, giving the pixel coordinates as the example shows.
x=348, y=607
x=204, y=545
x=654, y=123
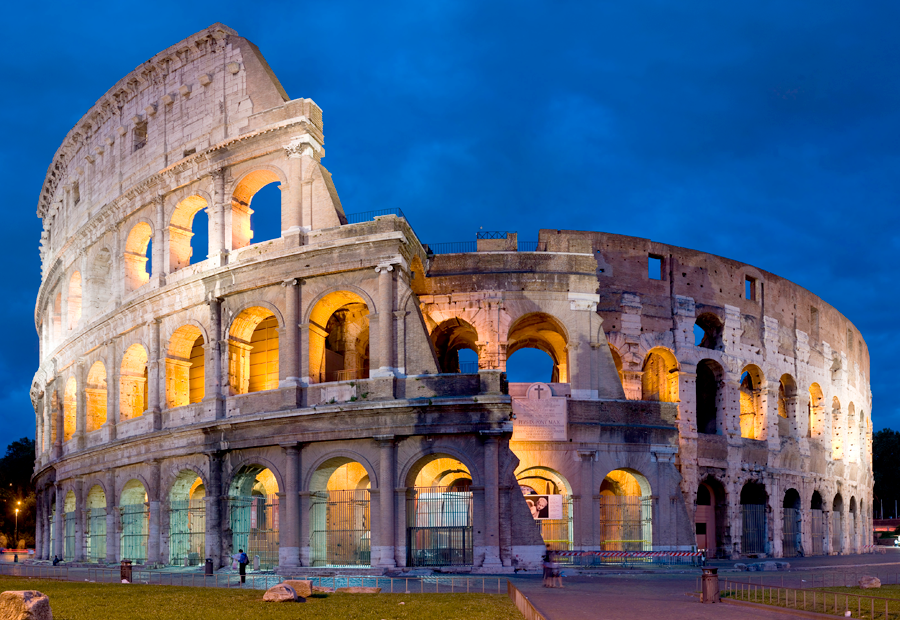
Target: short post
x=709, y=587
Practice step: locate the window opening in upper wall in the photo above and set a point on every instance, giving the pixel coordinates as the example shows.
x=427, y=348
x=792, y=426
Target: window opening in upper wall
x=76, y=195
x=140, y=135
x=750, y=288
x=654, y=267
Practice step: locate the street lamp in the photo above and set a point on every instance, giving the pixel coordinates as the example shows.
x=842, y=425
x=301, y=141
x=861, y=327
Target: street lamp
x=17, y=524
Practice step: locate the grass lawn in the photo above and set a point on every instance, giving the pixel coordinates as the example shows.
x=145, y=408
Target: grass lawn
x=835, y=601
x=95, y=601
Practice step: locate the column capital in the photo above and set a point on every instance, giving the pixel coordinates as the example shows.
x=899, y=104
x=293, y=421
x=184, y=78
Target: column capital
x=385, y=441
x=291, y=282
x=304, y=145
x=384, y=267
x=586, y=455
x=290, y=447
x=491, y=435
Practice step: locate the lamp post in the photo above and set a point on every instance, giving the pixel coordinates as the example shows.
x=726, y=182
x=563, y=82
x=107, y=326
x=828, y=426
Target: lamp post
x=17, y=524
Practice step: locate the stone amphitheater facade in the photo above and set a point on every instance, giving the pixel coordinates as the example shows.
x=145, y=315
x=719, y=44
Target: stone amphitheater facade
x=303, y=397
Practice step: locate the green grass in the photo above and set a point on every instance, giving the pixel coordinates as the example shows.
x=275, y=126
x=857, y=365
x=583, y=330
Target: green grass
x=850, y=598
x=95, y=601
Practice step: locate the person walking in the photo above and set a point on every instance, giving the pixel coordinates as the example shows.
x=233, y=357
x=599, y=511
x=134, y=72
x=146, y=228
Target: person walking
x=243, y=560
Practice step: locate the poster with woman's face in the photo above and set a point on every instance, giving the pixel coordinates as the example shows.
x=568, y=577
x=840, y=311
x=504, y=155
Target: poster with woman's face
x=544, y=506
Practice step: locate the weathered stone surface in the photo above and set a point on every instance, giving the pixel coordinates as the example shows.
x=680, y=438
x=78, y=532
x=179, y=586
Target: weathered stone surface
x=303, y=587
x=322, y=590
x=25, y=605
x=282, y=594
x=359, y=590
x=867, y=582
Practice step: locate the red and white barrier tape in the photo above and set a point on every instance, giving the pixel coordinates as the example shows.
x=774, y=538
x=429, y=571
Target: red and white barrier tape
x=630, y=554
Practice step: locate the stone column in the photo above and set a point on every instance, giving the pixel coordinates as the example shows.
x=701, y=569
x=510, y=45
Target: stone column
x=491, y=499
x=385, y=357
x=385, y=551
x=81, y=523
x=153, y=501
x=112, y=391
x=289, y=524
x=585, y=519
x=60, y=529
x=159, y=243
x=153, y=376
x=81, y=405
x=213, y=352
x=112, y=530
x=39, y=525
x=48, y=419
x=60, y=420
x=291, y=194
x=218, y=248
x=290, y=352
x=305, y=551
x=214, y=509
x=48, y=541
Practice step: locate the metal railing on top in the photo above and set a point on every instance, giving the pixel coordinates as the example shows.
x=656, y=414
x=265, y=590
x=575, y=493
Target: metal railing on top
x=367, y=216
x=463, y=247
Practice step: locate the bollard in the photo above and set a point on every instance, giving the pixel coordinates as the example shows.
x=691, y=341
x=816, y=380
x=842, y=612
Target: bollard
x=125, y=571
x=709, y=586
x=208, y=568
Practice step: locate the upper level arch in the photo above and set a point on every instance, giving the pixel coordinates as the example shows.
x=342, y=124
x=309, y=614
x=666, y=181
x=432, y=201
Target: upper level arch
x=542, y=331
x=339, y=337
x=659, y=377
x=181, y=230
x=451, y=336
x=753, y=418
x=253, y=349
x=246, y=186
x=136, y=256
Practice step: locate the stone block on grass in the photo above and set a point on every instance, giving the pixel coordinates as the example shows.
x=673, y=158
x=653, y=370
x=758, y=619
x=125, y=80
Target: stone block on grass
x=282, y=594
x=25, y=605
x=866, y=582
x=303, y=587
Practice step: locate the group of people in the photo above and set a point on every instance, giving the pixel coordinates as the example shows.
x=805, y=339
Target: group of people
x=552, y=571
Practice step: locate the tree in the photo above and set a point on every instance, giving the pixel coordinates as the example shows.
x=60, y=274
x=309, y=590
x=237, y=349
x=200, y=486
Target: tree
x=16, y=468
x=886, y=466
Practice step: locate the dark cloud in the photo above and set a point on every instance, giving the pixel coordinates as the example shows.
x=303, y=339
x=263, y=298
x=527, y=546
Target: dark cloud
x=765, y=132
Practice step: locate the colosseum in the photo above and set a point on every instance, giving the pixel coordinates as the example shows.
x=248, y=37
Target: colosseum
x=337, y=396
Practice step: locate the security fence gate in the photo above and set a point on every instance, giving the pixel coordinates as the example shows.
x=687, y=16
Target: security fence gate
x=790, y=539
x=97, y=535
x=254, y=527
x=626, y=523
x=439, y=527
x=135, y=527
x=339, y=534
x=69, y=547
x=557, y=533
x=187, y=532
x=817, y=529
x=753, y=537
x=837, y=532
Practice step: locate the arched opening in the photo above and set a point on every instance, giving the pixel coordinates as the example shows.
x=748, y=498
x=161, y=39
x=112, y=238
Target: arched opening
x=95, y=393
x=267, y=223
x=253, y=351
x=73, y=301
x=133, y=383
x=708, y=330
x=852, y=434
x=754, y=535
x=339, y=511
x=709, y=397
x=439, y=515
x=187, y=520
x=96, y=530
x=137, y=258
x=185, y=367
x=181, y=233
x=57, y=318
x=135, y=522
x=99, y=287
x=816, y=412
x=69, y=523
x=837, y=430
x=542, y=332
x=791, y=519
x=711, y=517
x=339, y=338
x=837, y=525
x=253, y=512
x=787, y=406
x=450, y=339
x=753, y=417
x=817, y=524
x=70, y=408
x=549, y=498
x=626, y=512
x=854, y=532
x=659, y=377
x=617, y=360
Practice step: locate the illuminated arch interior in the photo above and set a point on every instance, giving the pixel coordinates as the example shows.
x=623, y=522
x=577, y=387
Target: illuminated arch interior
x=185, y=367
x=339, y=338
x=95, y=393
x=181, y=230
x=253, y=351
x=241, y=229
x=133, y=383
x=136, y=256
x=543, y=332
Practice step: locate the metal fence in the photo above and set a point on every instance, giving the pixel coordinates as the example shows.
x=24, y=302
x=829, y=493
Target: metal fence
x=531, y=246
x=557, y=533
x=366, y=216
x=340, y=534
x=135, y=528
x=439, y=527
x=753, y=535
x=451, y=247
x=254, y=527
x=96, y=542
x=187, y=532
x=790, y=540
x=817, y=528
x=69, y=541
x=837, y=533
x=626, y=523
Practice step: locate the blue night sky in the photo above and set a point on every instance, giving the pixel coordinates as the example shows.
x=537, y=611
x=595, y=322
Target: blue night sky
x=766, y=132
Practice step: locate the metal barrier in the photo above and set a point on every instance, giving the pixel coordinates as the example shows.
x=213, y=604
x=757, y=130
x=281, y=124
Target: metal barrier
x=835, y=603
x=451, y=247
x=522, y=603
x=367, y=216
x=396, y=585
